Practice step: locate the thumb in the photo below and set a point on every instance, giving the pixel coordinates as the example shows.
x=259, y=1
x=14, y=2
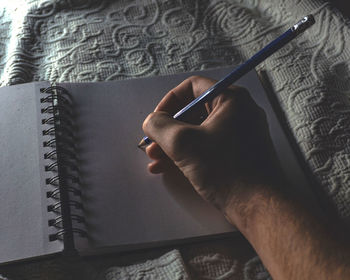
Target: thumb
x=176, y=138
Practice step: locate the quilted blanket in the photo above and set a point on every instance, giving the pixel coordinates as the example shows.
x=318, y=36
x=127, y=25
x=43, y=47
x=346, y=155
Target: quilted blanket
x=100, y=40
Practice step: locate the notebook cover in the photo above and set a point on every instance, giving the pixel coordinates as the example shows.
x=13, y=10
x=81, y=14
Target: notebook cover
x=24, y=226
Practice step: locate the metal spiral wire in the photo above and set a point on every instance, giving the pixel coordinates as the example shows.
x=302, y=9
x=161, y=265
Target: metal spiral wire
x=60, y=145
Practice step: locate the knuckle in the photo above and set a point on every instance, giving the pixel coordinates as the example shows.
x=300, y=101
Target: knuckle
x=148, y=121
x=234, y=93
x=184, y=137
x=183, y=133
x=195, y=78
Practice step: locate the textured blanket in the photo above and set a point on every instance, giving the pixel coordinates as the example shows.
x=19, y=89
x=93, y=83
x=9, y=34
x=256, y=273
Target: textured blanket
x=76, y=40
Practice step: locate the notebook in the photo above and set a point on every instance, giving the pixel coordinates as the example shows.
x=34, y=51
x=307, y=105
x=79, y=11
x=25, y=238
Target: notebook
x=72, y=177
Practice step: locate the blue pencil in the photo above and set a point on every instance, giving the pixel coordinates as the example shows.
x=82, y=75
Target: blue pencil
x=241, y=70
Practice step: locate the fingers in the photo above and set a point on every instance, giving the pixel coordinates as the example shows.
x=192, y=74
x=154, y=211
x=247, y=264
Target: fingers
x=172, y=136
x=222, y=115
x=228, y=109
x=161, y=162
x=154, y=151
x=191, y=88
x=175, y=140
x=183, y=94
x=158, y=126
x=160, y=166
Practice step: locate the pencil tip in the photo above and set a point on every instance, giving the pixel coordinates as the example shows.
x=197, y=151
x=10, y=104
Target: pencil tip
x=142, y=145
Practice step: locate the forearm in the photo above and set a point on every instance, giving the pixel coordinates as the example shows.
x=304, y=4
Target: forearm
x=290, y=241
x=232, y=142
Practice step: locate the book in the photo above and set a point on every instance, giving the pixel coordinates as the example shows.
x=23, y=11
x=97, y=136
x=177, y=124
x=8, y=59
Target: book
x=73, y=179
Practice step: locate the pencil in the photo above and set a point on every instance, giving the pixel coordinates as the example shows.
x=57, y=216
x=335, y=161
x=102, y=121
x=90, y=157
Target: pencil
x=241, y=70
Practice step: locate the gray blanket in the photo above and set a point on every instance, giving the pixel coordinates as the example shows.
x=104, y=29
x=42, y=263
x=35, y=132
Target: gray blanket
x=66, y=40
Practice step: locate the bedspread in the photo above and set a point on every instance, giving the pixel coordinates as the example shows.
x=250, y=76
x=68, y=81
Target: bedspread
x=76, y=40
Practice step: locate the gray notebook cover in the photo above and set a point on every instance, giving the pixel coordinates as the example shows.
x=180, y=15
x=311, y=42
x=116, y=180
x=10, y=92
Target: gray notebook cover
x=24, y=218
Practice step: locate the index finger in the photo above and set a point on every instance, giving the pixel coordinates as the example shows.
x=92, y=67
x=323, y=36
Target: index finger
x=184, y=93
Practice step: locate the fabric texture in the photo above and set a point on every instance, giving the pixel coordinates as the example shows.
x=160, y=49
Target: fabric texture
x=73, y=40
x=168, y=266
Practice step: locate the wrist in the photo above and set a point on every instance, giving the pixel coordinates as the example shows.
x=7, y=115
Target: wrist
x=249, y=204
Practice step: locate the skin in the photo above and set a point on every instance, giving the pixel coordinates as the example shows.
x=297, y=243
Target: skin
x=230, y=162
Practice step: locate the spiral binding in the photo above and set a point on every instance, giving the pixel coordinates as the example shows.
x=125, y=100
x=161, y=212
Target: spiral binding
x=61, y=155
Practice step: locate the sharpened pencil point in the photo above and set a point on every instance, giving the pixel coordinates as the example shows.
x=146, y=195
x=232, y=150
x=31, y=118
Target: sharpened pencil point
x=143, y=144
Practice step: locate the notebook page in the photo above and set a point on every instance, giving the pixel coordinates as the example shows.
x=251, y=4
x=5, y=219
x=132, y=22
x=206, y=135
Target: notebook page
x=123, y=203
x=23, y=221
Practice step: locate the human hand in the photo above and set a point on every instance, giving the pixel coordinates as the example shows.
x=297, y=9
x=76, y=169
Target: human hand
x=230, y=161
x=227, y=157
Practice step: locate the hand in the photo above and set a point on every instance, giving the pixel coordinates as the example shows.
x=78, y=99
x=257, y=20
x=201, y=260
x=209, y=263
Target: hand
x=227, y=157
x=230, y=162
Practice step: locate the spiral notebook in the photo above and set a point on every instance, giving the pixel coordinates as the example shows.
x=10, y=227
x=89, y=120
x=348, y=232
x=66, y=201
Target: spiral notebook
x=72, y=177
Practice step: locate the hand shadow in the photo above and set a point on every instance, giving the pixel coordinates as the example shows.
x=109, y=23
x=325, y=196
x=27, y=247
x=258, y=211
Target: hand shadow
x=184, y=194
